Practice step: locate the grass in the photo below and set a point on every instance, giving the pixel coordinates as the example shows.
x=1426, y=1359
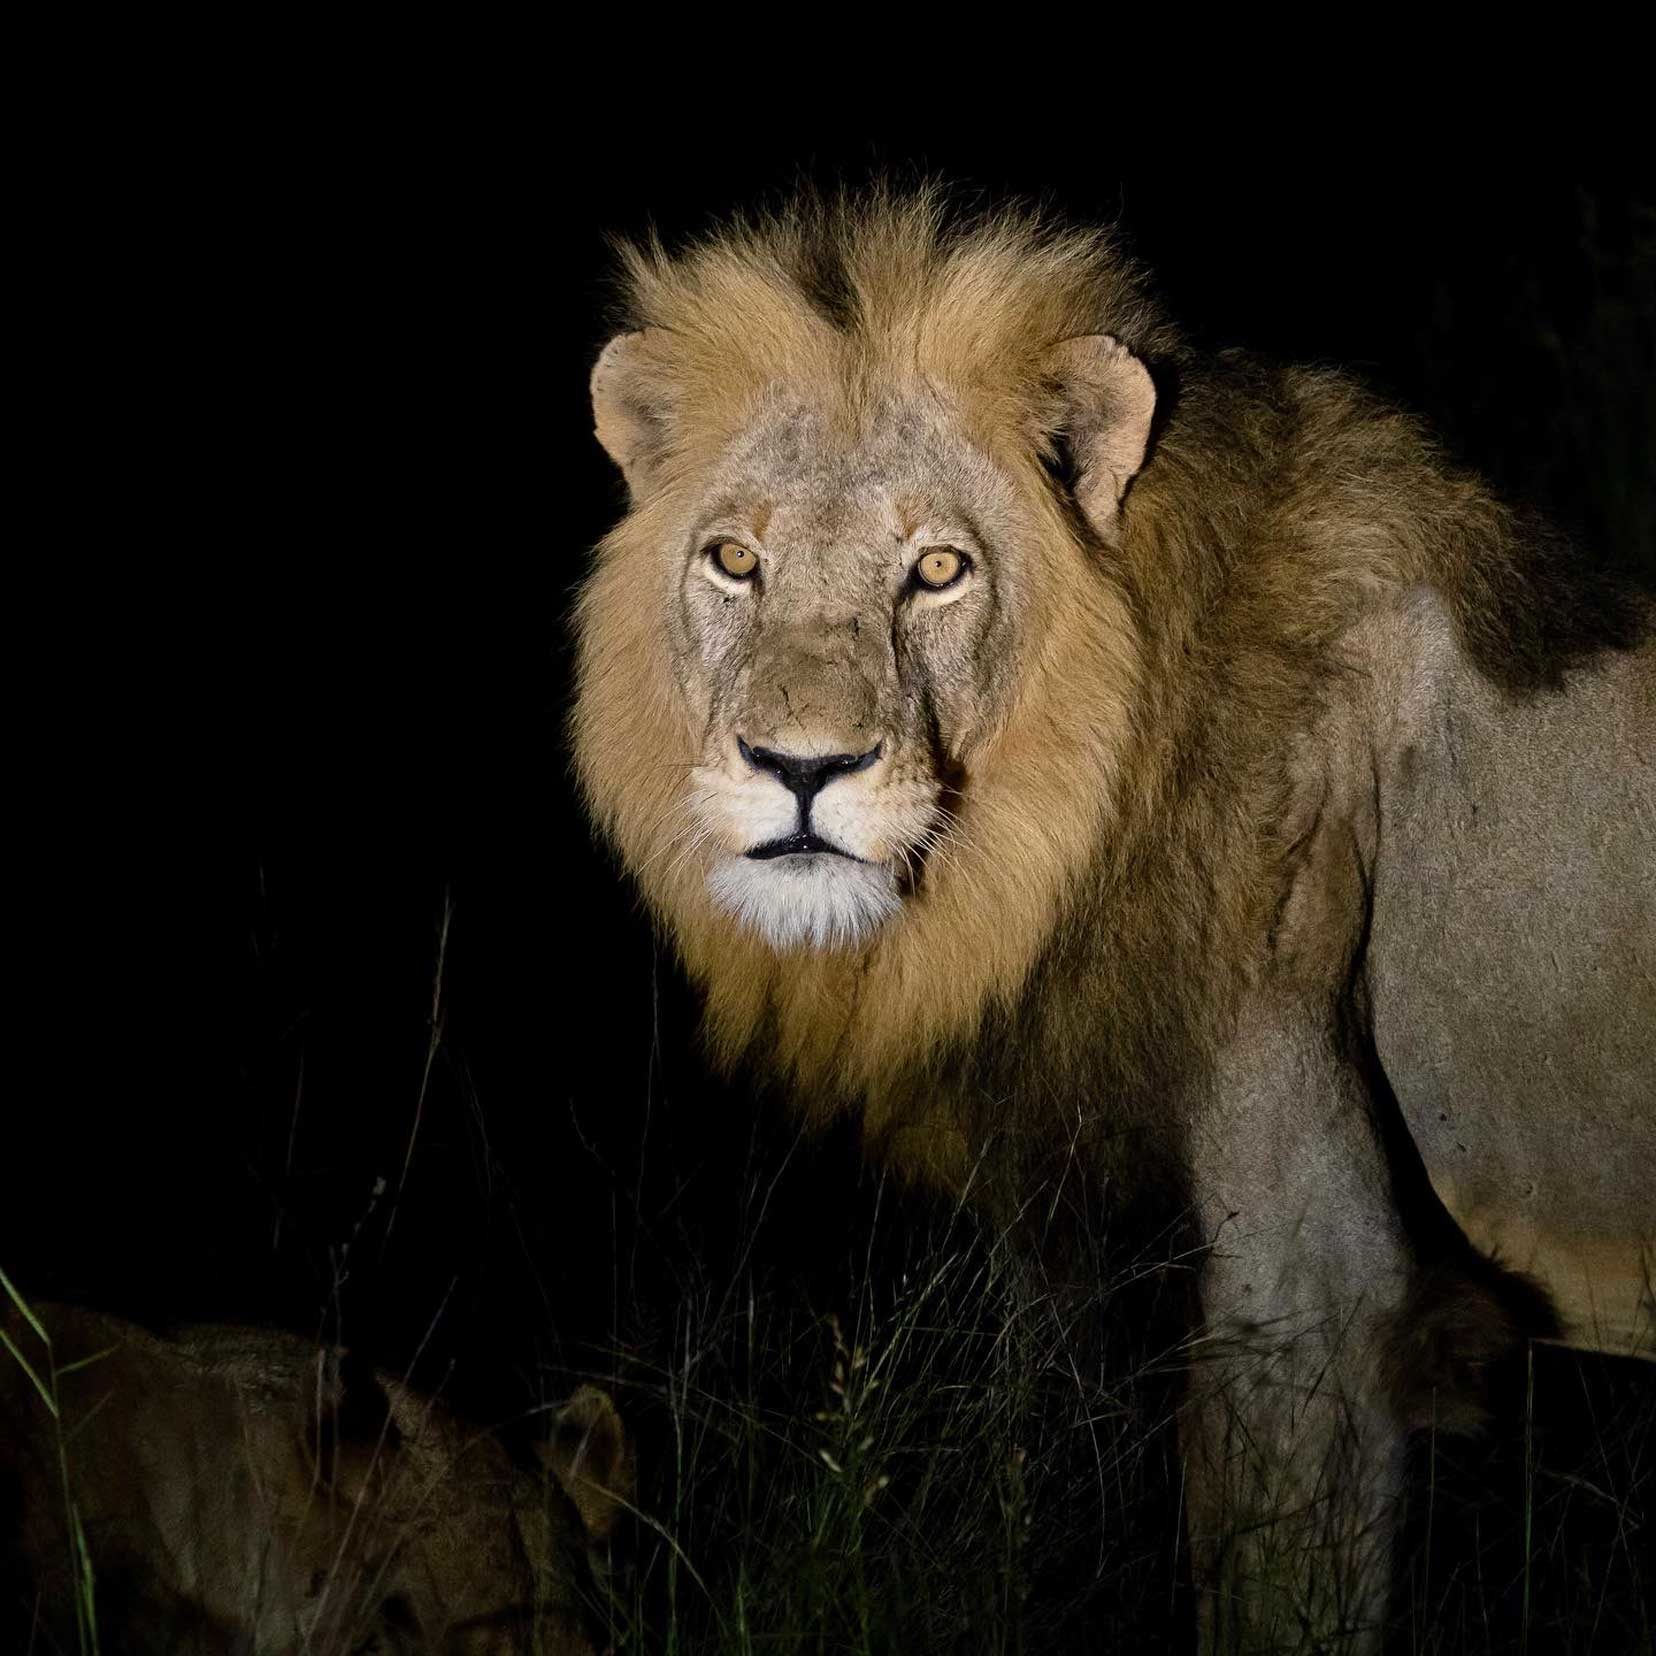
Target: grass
x=1537, y=1535
x=893, y=1475
x=44, y=1374
x=931, y=1465
x=928, y=1468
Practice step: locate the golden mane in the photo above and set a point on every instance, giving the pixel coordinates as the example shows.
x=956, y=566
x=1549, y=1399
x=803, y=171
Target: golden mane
x=1120, y=835
x=849, y=291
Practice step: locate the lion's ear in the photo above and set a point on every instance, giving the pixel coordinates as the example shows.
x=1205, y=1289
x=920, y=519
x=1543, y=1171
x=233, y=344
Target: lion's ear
x=353, y=1427
x=590, y=1456
x=626, y=414
x=1106, y=402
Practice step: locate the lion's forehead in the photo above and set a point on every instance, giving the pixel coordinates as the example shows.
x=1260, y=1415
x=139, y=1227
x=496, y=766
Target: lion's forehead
x=804, y=469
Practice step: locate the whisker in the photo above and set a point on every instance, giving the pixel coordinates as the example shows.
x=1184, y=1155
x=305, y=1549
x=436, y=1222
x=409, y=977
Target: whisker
x=686, y=804
x=697, y=841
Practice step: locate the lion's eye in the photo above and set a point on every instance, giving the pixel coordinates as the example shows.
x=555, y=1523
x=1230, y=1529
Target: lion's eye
x=939, y=566
x=735, y=560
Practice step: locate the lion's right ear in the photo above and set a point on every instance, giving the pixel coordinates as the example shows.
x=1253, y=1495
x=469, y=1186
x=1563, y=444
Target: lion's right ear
x=1106, y=401
x=625, y=412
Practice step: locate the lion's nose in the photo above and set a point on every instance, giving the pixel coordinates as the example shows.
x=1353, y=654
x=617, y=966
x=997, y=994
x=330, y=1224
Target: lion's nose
x=806, y=775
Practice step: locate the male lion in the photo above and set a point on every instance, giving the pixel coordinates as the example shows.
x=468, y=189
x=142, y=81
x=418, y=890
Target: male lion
x=249, y=1491
x=1053, y=743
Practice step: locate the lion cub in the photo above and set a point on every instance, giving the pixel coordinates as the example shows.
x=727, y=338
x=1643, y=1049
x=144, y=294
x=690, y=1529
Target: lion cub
x=248, y=1491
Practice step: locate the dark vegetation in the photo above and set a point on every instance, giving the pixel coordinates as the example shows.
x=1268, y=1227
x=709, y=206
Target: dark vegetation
x=323, y=772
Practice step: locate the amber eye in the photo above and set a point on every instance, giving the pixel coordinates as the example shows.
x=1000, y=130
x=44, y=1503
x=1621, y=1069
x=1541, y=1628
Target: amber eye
x=939, y=566
x=734, y=559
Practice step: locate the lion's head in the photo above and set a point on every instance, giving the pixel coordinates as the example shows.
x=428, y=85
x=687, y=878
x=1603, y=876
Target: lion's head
x=241, y=1488
x=851, y=686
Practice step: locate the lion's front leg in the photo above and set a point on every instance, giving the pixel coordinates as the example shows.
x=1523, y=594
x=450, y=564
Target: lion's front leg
x=1293, y=1461
x=1292, y=1444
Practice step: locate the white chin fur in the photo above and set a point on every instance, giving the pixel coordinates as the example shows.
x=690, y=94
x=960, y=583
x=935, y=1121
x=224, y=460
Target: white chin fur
x=817, y=901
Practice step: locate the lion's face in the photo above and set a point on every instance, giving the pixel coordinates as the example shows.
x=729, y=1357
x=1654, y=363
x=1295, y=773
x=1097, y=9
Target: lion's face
x=844, y=607
x=854, y=678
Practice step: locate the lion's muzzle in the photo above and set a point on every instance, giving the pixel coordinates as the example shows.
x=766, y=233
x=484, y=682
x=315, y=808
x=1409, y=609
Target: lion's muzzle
x=804, y=776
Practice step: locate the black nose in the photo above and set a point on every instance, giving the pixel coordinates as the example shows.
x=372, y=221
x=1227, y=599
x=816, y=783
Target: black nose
x=803, y=775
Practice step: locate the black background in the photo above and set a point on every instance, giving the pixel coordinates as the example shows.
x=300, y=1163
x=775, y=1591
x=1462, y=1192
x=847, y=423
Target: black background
x=324, y=482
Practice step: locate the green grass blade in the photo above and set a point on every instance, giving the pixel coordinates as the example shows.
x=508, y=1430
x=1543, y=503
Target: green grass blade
x=86, y=1362
x=23, y=1363
x=23, y=1306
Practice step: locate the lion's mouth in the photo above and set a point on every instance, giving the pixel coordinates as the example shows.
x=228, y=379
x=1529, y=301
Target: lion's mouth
x=796, y=845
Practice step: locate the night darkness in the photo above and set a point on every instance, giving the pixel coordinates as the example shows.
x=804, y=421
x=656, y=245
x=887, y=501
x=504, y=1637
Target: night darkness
x=320, y=716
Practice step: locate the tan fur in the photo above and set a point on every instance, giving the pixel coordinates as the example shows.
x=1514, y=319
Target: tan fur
x=241, y=1488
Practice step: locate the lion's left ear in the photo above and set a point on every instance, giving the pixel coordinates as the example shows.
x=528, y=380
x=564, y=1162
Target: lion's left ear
x=589, y=1453
x=1106, y=402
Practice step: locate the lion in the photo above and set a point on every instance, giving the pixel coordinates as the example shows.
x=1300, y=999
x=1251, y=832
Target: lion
x=247, y=1490
x=1057, y=747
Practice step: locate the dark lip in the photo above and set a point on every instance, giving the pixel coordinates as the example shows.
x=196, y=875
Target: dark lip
x=797, y=845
